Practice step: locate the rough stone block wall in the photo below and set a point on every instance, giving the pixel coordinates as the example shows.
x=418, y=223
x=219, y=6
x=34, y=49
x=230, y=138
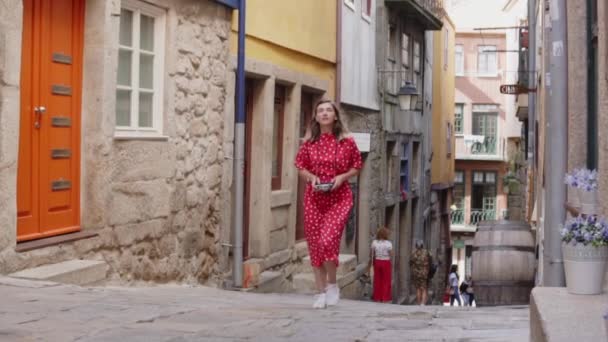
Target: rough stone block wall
x=155, y=204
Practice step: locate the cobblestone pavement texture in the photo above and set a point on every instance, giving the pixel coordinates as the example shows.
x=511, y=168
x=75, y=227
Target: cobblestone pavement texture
x=44, y=311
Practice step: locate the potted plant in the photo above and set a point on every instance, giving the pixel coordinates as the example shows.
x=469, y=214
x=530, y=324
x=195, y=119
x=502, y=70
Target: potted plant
x=584, y=183
x=510, y=183
x=585, y=253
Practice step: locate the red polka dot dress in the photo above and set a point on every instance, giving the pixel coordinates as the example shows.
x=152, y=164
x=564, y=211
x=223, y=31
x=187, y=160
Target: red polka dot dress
x=326, y=213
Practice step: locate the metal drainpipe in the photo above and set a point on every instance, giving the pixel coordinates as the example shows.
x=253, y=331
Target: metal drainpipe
x=239, y=152
x=338, y=51
x=557, y=139
x=531, y=84
x=591, y=88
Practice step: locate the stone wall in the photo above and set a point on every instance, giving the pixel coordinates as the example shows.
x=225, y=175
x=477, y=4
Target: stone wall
x=371, y=196
x=156, y=204
x=11, y=12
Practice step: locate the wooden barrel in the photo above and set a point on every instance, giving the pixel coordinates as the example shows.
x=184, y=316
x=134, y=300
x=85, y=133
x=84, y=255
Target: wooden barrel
x=503, y=263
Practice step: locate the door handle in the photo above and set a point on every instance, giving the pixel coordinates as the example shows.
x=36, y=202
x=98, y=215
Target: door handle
x=38, y=111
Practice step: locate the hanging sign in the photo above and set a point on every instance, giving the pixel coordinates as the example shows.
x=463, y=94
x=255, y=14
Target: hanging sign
x=515, y=89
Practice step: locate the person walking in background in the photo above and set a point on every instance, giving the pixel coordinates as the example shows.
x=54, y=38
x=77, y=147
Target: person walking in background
x=420, y=262
x=463, y=292
x=382, y=253
x=453, y=280
x=326, y=160
x=469, y=290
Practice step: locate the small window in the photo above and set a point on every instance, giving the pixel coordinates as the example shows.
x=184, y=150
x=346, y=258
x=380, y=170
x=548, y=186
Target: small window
x=416, y=56
x=478, y=177
x=487, y=63
x=404, y=168
x=366, y=9
x=405, y=50
x=459, y=60
x=458, y=114
x=490, y=177
x=139, y=85
x=459, y=177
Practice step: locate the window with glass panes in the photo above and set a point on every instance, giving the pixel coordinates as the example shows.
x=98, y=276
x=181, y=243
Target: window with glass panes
x=140, y=69
x=459, y=189
x=459, y=60
x=417, y=56
x=485, y=123
x=487, y=62
x=483, y=195
x=458, y=118
x=404, y=168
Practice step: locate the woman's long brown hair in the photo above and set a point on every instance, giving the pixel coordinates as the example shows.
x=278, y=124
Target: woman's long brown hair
x=340, y=131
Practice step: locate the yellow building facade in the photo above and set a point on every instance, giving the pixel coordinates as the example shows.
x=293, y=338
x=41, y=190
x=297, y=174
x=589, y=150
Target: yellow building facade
x=301, y=38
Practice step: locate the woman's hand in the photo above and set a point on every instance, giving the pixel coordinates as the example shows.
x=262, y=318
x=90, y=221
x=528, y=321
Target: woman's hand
x=338, y=180
x=313, y=180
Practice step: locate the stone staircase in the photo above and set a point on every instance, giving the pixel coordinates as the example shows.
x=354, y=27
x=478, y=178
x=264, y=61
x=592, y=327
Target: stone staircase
x=348, y=275
x=77, y=272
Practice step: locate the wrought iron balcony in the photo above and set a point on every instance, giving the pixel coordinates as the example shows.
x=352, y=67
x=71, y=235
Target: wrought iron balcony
x=485, y=146
x=478, y=215
x=429, y=13
x=457, y=216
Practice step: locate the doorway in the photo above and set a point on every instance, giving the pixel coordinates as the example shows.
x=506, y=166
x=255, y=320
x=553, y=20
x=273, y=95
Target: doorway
x=48, y=179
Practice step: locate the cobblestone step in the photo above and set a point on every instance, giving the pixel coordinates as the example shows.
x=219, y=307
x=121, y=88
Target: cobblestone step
x=77, y=272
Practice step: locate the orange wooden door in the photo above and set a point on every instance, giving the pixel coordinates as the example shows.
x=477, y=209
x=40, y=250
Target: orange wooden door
x=48, y=184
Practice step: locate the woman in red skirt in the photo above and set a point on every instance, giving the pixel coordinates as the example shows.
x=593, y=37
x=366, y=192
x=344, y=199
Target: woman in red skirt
x=382, y=253
x=327, y=159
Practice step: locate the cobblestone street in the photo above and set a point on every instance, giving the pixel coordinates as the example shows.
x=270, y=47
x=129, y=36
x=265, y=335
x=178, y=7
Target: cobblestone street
x=44, y=311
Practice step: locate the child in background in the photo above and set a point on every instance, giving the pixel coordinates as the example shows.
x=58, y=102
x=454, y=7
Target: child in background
x=382, y=253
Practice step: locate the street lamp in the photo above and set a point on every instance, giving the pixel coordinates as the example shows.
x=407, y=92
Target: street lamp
x=408, y=96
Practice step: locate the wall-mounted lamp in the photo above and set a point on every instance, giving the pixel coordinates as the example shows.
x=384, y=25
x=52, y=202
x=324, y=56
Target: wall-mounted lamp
x=408, y=96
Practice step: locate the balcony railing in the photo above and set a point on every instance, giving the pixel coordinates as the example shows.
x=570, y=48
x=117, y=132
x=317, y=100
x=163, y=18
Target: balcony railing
x=486, y=146
x=478, y=215
x=457, y=217
x=434, y=6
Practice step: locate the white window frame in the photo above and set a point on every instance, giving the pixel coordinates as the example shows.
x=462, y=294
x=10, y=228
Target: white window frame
x=364, y=15
x=417, y=57
x=405, y=50
x=484, y=51
x=459, y=63
x=351, y=4
x=159, y=14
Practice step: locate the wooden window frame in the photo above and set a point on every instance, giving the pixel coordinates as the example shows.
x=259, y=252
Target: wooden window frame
x=277, y=180
x=134, y=130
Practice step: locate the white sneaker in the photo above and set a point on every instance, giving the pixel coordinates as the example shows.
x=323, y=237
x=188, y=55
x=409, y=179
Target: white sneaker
x=320, y=301
x=333, y=294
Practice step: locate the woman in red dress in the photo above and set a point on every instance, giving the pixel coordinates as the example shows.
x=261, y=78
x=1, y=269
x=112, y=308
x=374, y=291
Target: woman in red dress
x=327, y=159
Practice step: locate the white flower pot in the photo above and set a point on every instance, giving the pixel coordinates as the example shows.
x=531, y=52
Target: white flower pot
x=588, y=201
x=584, y=267
x=573, y=198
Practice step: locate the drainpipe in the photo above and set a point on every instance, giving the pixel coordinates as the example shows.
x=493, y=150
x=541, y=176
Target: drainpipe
x=338, y=51
x=239, y=152
x=531, y=84
x=592, y=151
x=557, y=139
